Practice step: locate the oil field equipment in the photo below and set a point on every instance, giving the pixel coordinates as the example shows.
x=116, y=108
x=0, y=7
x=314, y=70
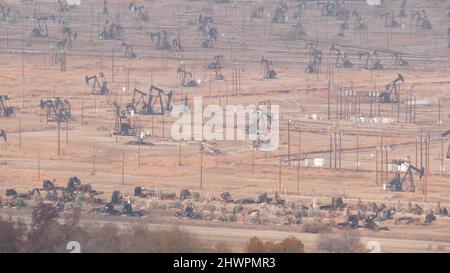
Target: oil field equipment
x=315, y=58
x=111, y=31
x=122, y=125
x=160, y=40
x=391, y=94
x=269, y=72
x=341, y=58
x=128, y=51
x=372, y=60
x=151, y=103
x=186, y=78
x=405, y=183
x=57, y=110
x=280, y=14
x=216, y=65
x=5, y=109
x=98, y=84
x=41, y=29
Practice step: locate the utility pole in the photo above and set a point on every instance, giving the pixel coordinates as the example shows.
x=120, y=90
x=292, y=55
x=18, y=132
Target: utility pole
x=279, y=175
x=123, y=168
x=93, y=160
x=39, y=165
x=289, y=142
x=298, y=163
x=201, y=169
x=20, y=134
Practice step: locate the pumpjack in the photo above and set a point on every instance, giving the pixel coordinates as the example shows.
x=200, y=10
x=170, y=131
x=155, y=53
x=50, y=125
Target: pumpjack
x=359, y=22
x=399, y=60
x=341, y=58
x=216, y=66
x=422, y=20
x=280, y=14
x=372, y=60
x=57, y=110
x=69, y=35
x=151, y=103
x=389, y=19
x=315, y=58
x=448, y=152
x=123, y=122
x=129, y=52
x=7, y=14
x=209, y=31
x=392, y=88
x=5, y=109
x=99, y=84
x=3, y=135
x=111, y=31
x=60, y=57
x=160, y=41
x=257, y=12
x=41, y=30
x=269, y=72
x=140, y=10
x=186, y=78
x=405, y=183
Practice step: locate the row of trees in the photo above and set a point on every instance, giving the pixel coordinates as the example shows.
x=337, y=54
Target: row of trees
x=47, y=234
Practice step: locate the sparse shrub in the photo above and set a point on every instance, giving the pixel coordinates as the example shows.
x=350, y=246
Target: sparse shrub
x=315, y=227
x=341, y=242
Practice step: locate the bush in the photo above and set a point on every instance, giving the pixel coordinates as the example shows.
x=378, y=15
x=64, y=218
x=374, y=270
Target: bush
x=342, y=242
x=288, y=245
x=315, y=227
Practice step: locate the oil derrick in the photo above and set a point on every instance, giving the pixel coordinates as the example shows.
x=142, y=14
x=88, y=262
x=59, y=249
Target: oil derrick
x=98, y=84
x=421, y=20
x=7, y=14
x=280, y=14
x=160, y=40
x=141, y=11
x=60, y=58
x=128, y=51
x=372, y=60
x=315, y=59
x=391, y=93
x=151, y=103
x=269, y=72
x=405, y=183
x=216, y=65
x=176, y=44
x=41, y=29
x=122, y=125
x=257, y=12
x=186, y=78
x=399, y=60
x=358, y=22
x=105, y=8
x=57, y=110
x=298, y=16
x=208, y=30
x=448, y=37
x=111, y=31
x=389, y=19
x=341, y=58
x=5, y=109
x=69, y=35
